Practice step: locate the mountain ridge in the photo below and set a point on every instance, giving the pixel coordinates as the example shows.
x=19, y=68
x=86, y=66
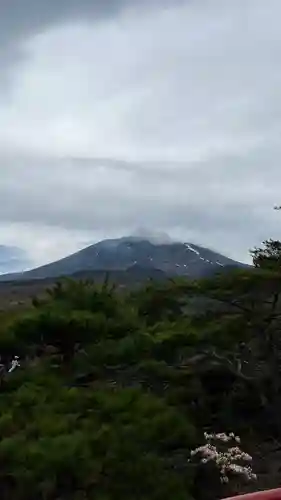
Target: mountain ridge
x=140, y=252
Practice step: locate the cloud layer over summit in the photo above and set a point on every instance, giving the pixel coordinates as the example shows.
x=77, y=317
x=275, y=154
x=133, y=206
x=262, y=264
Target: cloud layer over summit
x=119, y=114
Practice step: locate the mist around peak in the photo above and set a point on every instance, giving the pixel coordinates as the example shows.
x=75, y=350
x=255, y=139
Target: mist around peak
x=156, y=237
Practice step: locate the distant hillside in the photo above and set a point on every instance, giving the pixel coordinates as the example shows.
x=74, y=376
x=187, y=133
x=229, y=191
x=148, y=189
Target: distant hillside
x=134, y=255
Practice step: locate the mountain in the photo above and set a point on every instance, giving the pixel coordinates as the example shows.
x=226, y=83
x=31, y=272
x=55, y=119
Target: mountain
x=136, y=254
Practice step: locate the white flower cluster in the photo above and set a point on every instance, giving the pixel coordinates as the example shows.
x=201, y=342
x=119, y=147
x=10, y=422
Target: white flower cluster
x=229, y=461
x=221, y=436
x=14, y=364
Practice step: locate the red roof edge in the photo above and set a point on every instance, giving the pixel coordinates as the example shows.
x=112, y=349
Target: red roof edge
x=259, y=495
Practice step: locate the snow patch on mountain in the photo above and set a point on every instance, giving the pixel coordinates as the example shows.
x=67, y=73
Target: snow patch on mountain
x=192, y=249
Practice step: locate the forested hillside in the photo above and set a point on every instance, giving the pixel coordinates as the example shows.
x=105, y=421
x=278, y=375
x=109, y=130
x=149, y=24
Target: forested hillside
x=115, y=388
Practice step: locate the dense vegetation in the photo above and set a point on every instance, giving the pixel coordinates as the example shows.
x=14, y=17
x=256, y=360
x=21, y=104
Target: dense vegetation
x=115, y=388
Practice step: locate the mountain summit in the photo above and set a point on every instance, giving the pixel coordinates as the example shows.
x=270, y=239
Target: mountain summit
x=147, y=252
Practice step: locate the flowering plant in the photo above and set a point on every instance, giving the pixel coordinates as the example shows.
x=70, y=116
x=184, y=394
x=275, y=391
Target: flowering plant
x=224, y=459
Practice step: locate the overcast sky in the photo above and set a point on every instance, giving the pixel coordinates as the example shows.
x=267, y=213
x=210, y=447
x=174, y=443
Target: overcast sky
x=119, y=114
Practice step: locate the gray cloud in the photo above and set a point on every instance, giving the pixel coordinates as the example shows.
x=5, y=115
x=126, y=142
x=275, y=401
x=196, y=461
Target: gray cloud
x=201, y=201
x=117, y=115
x=20, y=19
x=13, y=259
